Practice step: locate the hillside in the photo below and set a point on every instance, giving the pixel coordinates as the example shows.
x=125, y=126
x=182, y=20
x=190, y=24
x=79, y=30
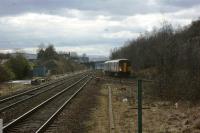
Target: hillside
x=169, y=56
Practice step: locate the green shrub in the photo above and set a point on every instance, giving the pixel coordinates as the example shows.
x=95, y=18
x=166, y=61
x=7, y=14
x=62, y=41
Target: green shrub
x=6, y=73
x=19, y=65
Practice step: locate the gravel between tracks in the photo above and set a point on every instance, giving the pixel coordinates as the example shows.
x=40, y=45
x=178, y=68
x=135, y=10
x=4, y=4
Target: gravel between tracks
x=75, y=117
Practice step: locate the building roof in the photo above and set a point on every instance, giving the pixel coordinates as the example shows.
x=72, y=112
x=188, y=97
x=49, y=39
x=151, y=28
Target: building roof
x=26, y=55
x=117, y=60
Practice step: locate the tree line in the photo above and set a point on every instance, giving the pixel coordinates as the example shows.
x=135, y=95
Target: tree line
x=55, y=62
x=18, y=67
x=169, y=56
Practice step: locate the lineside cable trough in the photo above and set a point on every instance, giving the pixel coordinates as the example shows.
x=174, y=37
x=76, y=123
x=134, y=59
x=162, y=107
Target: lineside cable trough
x=111, y=119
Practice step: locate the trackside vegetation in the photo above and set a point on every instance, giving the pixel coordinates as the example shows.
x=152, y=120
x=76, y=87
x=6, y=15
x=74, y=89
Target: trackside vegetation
x=18, y=67
x=169, y=56
x=15, y=67
x=56, y=63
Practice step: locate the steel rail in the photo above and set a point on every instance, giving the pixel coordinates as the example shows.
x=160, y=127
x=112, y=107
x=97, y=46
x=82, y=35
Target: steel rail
x=25, y=115
x=34, y=89
x=52, y=117
x=32, y=96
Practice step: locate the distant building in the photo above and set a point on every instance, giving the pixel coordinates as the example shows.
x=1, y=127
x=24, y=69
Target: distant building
x=66, y=55
x=84, y=59
x=75, y=57
x=70, y=55
x=98, y=65
x=94, y=58
x=73, y=54
x=30, y=57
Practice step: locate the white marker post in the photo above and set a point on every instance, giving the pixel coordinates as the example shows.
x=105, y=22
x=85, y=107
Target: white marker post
x=1, y=125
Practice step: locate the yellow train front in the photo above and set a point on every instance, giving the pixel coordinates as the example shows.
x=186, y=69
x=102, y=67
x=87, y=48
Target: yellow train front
x=118, y=67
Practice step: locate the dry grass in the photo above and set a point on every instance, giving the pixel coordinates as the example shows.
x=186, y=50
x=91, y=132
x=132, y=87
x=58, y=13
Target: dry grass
x=100, y=114
x=7, y=89
x=123, y=114
x=123, y=117
x=162, y=117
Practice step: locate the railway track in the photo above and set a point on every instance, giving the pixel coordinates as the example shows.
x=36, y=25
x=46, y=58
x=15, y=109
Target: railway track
x=17, y=104
x=30, y=90
x=38, y=118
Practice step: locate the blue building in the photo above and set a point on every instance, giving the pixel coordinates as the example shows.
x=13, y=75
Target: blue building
x=40, y=71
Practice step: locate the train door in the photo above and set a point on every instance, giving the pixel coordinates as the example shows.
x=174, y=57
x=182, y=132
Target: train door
x=124, y=67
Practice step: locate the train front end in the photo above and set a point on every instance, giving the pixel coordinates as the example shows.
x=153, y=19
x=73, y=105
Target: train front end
x=124, y=68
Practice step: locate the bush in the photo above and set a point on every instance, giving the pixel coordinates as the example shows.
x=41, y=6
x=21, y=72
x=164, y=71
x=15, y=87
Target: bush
x=6, y=74
x=19, y=65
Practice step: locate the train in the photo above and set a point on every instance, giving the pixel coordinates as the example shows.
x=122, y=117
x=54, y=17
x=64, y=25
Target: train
x=118, y=67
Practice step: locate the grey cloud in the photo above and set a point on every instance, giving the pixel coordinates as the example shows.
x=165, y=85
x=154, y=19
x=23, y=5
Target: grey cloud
x=117, y=7
x=16, y=41
x=10, y=7
x=27, y=37
x=179, y=3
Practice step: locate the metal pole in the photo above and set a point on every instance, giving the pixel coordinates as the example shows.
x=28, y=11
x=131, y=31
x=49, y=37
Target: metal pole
x=139, y=102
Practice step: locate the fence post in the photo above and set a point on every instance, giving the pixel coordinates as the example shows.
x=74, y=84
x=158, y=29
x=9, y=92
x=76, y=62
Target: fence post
x=139, y=104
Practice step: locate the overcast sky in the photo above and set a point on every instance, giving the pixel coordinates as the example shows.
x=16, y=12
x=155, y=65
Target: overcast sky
x=86, y=26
